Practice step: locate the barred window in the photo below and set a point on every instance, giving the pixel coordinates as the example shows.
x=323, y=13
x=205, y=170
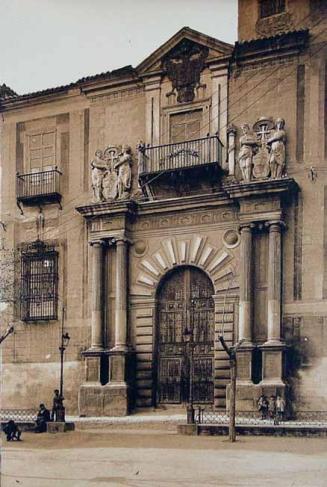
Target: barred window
x=271, y=7
x=39, y=282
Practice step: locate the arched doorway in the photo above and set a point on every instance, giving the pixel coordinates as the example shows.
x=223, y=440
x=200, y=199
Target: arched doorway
x=185, y=337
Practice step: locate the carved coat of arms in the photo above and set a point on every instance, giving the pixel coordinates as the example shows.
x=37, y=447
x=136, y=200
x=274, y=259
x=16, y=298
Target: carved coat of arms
x=183, y=66
x=261, y=167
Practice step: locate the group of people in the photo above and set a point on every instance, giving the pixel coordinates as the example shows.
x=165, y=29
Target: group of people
x=272, y=408
x=44, y=416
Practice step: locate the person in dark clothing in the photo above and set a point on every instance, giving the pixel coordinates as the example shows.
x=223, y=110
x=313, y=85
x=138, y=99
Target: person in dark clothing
x=263, y=406
x=57, y=406
x=43, y=417
x=272, y=408
x=12, y=432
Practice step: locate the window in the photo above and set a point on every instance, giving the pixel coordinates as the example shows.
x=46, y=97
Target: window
x=271, y=7
x=185, y=126
x=39, y=282
x=42, y=151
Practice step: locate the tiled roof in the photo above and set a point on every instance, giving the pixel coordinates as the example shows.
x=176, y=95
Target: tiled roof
x=279, y=41
x=77, y=84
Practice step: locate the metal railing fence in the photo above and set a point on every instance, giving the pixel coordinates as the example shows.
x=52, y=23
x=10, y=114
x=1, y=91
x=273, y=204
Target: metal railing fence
x=35, y=184
x=181, y=155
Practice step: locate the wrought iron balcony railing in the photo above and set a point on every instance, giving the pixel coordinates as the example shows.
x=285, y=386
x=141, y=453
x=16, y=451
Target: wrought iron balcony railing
x=182, y=155
x=40, y=186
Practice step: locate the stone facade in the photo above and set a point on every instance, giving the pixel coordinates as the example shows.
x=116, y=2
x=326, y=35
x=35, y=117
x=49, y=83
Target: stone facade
x=133, y=213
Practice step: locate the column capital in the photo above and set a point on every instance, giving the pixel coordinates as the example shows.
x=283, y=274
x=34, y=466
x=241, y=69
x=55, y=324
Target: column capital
x=275, y=225
x=97, y=243
x=246, y=227
x=122, y=241
x=231, y=129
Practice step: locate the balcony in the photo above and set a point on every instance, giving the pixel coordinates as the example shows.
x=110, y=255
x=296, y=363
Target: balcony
x=183, y=155
x=182, y=168
x=39, y=187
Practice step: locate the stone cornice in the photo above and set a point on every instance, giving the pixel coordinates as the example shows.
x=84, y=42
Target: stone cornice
x=131, y=207
x=112, y=208
x=183, y=203
x=230, y=194
x=261, y=188
x=289, y=43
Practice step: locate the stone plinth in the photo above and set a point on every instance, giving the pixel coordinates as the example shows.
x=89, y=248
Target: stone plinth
x=90, y=399
x=119, y=397
x=245, y=396
x=116, y=399
x=272, y=369
x=60, y=426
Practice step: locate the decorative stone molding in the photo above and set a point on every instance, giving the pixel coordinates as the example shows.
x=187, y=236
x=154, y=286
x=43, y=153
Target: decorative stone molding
x=216, y=262
x=231, y=239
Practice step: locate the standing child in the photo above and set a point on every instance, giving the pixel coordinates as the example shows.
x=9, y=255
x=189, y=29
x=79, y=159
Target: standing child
x=280, y=408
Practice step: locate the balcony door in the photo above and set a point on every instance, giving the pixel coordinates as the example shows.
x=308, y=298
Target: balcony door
x=185, y=126
x=185, y=309
x=41, y=151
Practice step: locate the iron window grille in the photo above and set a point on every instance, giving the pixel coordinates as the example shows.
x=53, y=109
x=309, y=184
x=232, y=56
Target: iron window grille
x=39, y=282
x=271, y=7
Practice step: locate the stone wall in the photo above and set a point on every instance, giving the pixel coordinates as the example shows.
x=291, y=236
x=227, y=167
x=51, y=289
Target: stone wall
x=294, y=89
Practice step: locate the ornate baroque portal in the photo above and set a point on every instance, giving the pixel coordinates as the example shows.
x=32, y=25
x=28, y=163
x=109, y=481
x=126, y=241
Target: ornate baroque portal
x=185, y=308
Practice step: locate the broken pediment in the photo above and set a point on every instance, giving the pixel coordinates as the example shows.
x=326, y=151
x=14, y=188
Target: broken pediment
x=183, y=41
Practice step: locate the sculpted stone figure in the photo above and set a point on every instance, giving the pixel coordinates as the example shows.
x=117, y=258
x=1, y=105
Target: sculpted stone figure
x=112, y=174
x=276, y=146
x=124, y=172
x=248, y=143
x=99, y=170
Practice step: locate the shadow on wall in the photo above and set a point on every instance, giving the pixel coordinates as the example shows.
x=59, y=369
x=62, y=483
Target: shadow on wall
x=25, y=386
x=306, y=372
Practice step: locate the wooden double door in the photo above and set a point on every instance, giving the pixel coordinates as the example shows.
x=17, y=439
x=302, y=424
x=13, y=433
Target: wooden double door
x=185, y=338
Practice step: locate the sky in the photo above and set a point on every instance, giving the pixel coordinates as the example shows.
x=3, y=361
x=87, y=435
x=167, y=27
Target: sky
x=48, y=43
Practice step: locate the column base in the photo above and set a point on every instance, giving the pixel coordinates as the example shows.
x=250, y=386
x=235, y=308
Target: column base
x=244, y=363
x=116, y=399
x=90, y=399
x=272, y=362
x=275, y=343
x=120, y=348
x=108, y=400
x=245, y=396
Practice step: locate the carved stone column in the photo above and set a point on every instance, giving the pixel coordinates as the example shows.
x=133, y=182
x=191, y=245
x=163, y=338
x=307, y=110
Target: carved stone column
x=121, y=296
x=91, y=390
x=117, y=397
x=244, y=384
x=273, y=348
x=274, y=283
x=97, y=296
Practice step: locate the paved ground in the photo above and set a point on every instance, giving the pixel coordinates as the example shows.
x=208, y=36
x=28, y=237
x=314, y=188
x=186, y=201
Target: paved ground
x=153, y=455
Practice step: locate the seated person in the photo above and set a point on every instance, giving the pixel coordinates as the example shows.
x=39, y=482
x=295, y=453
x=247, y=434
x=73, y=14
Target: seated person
x=43, y=417
x=12, y=431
